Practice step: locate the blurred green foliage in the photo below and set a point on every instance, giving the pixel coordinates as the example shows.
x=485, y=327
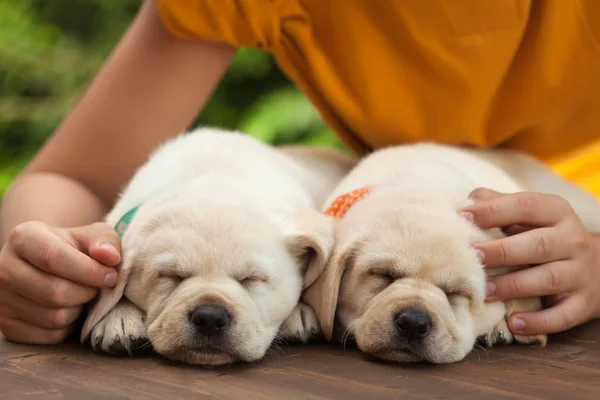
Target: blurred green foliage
x=50, y=49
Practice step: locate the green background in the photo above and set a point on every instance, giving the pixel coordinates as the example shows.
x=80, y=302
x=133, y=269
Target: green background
x=50, y=49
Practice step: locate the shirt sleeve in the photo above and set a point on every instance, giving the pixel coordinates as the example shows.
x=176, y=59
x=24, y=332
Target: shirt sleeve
x=241, y=23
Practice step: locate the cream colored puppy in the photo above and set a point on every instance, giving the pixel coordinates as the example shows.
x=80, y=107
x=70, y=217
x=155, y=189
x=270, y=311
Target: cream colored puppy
x=221, y=233
x=403, y=278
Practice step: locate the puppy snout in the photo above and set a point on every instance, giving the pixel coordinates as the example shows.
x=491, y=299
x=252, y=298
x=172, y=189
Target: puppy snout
x=210, y=319
x=413, y=324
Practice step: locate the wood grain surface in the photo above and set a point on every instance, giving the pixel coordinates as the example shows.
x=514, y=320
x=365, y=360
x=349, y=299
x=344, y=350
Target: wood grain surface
x=569, y=368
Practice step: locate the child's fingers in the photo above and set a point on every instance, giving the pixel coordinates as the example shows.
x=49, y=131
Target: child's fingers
x=565, y=315
x=542, y=280
x=533, y=209
x=536, y=246
x=99, y=241
x=484, y=194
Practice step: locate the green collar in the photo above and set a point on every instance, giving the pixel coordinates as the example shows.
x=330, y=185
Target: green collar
x=124, y=222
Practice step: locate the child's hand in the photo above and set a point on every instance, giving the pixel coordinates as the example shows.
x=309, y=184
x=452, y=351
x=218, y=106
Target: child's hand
x=47, y=275
x=546, y=233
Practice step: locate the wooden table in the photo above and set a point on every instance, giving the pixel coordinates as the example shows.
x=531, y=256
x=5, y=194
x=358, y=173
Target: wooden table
x=569, y=368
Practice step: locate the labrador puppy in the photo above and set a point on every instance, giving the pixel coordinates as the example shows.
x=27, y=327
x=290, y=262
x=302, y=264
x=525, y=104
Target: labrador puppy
x=403, y=280
x=220, y=234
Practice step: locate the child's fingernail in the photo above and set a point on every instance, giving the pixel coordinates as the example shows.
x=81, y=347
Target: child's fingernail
x=518, y=324
x=480, y=255
x=490, y=288
x=467, y=215
x=107, y=246
x=110, y=279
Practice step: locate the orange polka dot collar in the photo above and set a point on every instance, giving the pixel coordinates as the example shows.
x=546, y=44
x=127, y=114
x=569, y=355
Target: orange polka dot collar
x=343, y=203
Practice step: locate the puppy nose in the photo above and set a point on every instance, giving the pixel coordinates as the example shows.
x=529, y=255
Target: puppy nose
x=413, y=323
x=210, y=319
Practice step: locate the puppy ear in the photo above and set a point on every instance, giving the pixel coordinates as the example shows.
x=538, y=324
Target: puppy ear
x=309, y=239
x=322, y=296
x=107, y=299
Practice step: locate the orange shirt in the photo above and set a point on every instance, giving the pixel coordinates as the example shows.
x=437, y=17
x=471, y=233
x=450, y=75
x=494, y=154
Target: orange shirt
x=523, y=74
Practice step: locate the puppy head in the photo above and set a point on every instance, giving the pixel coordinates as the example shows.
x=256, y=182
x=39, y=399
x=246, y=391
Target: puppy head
x=404, y=280
x=216, y=281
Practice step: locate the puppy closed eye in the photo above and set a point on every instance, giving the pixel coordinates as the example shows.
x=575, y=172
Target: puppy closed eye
x=171, y=276
x=384, y=275
x=454, y=296
x=250, y=280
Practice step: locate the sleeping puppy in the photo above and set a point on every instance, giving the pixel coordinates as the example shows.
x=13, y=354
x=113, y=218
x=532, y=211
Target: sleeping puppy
x=403, y=277
x=220, y=234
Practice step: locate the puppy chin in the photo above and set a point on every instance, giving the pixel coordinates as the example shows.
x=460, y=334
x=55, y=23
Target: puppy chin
x=386, y=346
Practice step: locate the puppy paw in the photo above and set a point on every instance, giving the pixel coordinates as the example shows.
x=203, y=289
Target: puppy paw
x=121, y=331
x=500, y=334
x=300, y=326
x=532, y=340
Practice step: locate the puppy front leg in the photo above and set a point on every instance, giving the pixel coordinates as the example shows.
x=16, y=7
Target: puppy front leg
x=496, y=331
x=301, y=325
x=121, y=331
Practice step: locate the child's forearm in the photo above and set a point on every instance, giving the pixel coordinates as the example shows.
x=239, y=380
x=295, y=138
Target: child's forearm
x=49, y=198
x=151, y=88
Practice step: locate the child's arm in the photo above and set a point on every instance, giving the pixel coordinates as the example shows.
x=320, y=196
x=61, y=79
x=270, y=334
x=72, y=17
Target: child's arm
x=151, y=88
